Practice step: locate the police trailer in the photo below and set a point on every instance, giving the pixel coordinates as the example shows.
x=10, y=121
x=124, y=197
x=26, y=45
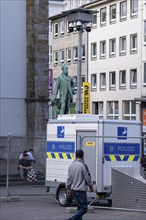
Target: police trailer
x=106, y=144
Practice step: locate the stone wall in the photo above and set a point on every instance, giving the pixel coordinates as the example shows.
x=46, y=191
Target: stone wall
x=37, y=67
x=37, y=74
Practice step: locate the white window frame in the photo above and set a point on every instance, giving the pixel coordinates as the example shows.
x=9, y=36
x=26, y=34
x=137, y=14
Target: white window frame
x=102, y=81
x=55, y=53
x=112, y=47
x=133, y=78
x=93, y=81
x=50, y=54
x=133, y=43
x=93, y=50
x=122, y=74
x=144, y=32
x=134, y=8
x=113, y=110
x=112, y=80
x=62, y=56
x=94, y=20
x=122, y=45
x=103, y=49
x=68, y=55
x=50, y=26
x=62, y=28
x=75, y=54
x=123, y=11
x=56, y=26
x=112, y=8
x=130, y=115
x=83, y=52
x=103, y=17
x=98, y=108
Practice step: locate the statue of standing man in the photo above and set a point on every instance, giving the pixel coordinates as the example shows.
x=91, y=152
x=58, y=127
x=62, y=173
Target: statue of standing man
x=65, y=86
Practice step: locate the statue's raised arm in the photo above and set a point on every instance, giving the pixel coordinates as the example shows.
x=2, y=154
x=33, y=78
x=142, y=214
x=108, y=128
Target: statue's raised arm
x=66, y=88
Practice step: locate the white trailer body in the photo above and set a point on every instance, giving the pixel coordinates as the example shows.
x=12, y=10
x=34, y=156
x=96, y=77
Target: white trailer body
x=106, y=144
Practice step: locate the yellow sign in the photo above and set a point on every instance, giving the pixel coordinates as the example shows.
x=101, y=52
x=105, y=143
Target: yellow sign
x=90, y=144
x=86, y=98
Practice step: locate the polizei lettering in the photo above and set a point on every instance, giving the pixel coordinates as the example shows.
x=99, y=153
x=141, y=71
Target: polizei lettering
x=65, y=147
x=125, y=148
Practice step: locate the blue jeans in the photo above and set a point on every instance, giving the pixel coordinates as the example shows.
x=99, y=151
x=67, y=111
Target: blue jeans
x=81, y=199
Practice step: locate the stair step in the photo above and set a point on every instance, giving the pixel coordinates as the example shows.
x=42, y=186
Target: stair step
x=14, y=179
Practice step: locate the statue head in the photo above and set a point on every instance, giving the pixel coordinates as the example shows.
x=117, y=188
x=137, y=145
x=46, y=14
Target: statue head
x=65, y=69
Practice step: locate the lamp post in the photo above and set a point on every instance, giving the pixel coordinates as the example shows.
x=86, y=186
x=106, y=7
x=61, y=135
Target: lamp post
x=79, y=19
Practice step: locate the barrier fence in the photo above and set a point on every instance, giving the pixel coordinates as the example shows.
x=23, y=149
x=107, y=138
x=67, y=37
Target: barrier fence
x=15, y=146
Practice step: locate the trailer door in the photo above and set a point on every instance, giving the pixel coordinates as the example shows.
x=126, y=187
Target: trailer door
x=88, y=144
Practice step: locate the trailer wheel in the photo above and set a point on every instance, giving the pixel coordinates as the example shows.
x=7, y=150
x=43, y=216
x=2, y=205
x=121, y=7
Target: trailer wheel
x=62, y=197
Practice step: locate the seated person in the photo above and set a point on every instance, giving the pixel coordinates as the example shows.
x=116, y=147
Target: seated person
x=24, y=166
x=21, y=155
x=30, y=156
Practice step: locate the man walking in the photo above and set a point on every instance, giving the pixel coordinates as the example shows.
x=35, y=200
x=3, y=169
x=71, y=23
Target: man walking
x=77, y=182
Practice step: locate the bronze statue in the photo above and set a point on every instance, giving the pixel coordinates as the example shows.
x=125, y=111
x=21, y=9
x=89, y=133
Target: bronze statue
x=65, y=86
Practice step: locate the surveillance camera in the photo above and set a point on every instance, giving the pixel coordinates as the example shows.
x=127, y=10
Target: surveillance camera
x=79, y=25
x=88, y=26
x=88, y=29
x=71, y=27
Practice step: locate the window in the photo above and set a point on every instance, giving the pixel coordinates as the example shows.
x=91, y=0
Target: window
x=83, y=53
x=123, y=45
x=93, y=81
x=144, y=72
x=145, y=32
x=75, y=53
x=93, y=50
x=112, y=14
x=133, y=43
x=103, y=16
x=112, y=80
x=103, y=49
x=113, y=110
x=55, y=57
x=98, y=108
x=61, y=56
x=123, y=10
x=134, y=8
x=129, y=110
x=94, y=20
x=68, y=55
x=50, y=26
x=133, y=78
x=75, y=82
x=56, y=30
x=122, y=78
x=61, y=28
x=112, y=47
x=82, y=79
x=102, y=81
x=50, y=54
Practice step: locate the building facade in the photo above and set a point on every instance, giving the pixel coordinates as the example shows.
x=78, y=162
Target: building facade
x=115, y=60
x=117, y=56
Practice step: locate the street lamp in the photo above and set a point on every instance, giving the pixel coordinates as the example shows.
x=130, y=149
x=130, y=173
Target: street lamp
x=79, y=19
